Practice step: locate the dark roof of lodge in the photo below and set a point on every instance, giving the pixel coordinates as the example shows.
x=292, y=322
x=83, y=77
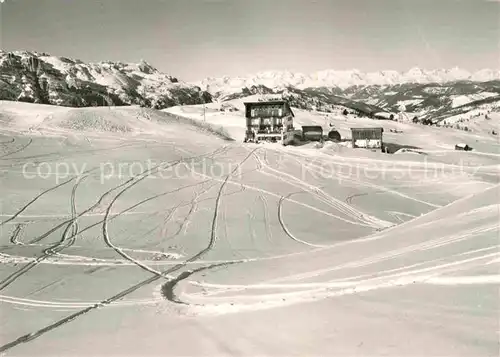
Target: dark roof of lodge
x=374, y=128
x=267, y=102
x=319, y=127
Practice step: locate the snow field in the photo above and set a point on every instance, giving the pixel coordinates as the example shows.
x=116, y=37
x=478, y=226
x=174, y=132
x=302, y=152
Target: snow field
x=327, y=245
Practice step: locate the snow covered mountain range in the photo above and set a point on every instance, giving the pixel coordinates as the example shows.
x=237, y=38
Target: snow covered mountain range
x=346, y=79
x=423, y=93
x=42, y=78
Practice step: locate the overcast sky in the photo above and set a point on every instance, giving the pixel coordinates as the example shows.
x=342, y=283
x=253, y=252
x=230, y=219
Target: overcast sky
x=193, y=39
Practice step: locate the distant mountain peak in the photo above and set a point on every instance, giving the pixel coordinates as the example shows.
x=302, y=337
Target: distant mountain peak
x=41, y=78
x=343, y=79
x=147, y=68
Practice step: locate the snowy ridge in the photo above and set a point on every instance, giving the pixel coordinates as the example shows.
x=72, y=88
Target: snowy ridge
x=42, y=78
x=346, y=79
x=434, y=94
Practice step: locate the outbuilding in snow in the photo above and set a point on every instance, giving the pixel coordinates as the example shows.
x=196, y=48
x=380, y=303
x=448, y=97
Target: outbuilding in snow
x=384, y=116
x=462, y=147
x=334, y=135
x=312, y=132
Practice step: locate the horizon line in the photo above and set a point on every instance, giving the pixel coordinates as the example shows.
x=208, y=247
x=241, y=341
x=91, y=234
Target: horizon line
x=38, y=52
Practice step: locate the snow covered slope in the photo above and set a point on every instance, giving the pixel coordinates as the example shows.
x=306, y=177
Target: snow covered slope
x=41, y=78
x=166, y=239
x=100, y=122
x=434, y=101
x=425, y=137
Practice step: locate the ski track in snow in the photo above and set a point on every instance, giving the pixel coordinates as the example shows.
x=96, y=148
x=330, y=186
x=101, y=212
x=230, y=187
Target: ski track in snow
x=394, y=280
x=157, y=275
